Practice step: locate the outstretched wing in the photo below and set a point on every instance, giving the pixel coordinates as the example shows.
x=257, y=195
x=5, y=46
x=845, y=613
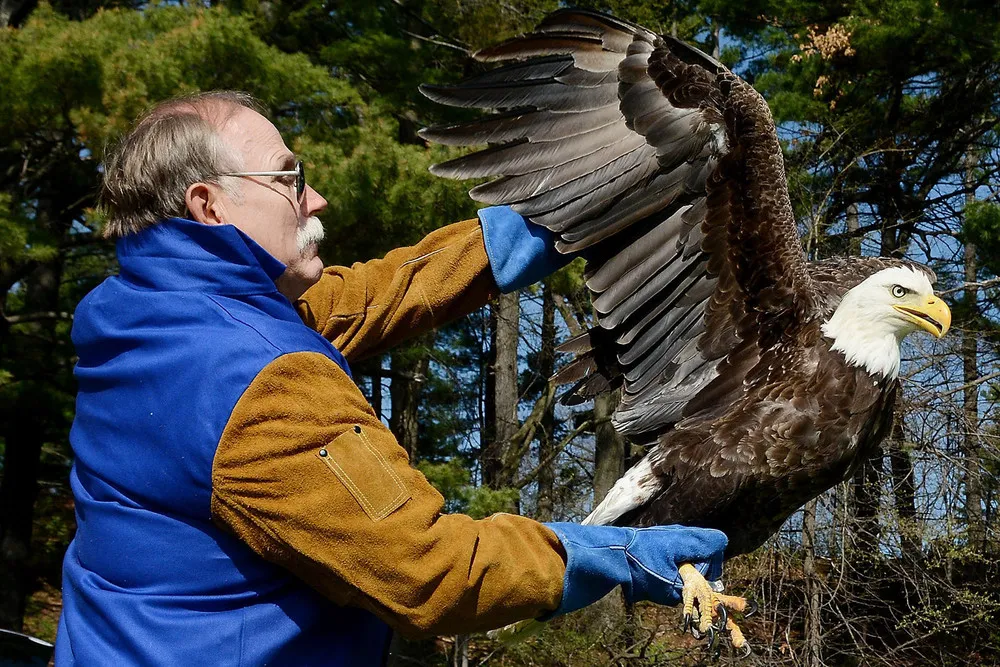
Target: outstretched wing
x=664, y=169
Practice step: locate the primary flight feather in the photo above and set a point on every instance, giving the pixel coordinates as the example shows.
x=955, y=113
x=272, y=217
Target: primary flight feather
x=760, y=379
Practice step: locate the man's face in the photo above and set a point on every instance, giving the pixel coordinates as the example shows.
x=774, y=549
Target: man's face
x=269, y=210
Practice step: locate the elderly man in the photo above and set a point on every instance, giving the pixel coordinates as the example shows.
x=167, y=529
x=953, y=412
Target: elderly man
x=238, y=501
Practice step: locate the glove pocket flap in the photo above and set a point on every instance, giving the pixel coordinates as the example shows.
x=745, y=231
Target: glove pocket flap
x=366, y=474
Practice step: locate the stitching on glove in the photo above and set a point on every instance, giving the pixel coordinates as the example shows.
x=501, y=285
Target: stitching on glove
x=645, y=569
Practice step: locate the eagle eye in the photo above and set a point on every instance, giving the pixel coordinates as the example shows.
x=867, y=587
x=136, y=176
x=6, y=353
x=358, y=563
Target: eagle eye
x=899, y=291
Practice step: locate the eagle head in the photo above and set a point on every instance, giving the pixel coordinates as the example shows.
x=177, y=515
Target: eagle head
x=876, y=315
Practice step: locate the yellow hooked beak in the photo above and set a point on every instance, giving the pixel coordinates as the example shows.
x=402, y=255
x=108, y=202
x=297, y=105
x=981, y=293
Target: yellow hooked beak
x=933, y=316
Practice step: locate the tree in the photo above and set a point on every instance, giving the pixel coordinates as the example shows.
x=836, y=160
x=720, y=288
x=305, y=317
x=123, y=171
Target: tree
x=546, y=361
x=498, y=464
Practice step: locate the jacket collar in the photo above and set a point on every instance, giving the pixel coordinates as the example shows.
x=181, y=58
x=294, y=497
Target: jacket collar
x=182, y=255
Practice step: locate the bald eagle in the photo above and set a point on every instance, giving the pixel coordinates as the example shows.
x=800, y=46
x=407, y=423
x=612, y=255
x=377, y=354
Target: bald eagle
x=759, y=379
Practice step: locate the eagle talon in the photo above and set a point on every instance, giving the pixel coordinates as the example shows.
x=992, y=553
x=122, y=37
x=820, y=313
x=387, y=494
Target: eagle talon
x=688, y=623
x=720, y=624
x=752, y=608
x=745, y=651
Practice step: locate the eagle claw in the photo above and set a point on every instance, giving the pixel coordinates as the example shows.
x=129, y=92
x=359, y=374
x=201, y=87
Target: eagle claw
x=720, y=624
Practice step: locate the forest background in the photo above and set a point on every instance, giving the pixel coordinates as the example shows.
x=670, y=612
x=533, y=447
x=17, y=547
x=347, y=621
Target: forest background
x=888, y=112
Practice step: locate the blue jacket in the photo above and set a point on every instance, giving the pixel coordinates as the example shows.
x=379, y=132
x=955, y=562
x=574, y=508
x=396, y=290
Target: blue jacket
x=165, y=351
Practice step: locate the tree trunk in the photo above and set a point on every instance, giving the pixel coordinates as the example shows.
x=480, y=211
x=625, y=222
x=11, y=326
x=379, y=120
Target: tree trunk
x=26, y=430
x=546, y=431
x=18, y=492
x=866, y=485
x=904, y=492
x=501, y=412
x=489, y=455
x=409, y=373
x=900, y=465
x=854, y=245
x=460, y=656
x=7, y=10
x=970, y=396
x=376, y=393
x=813, y=637
x=867, y=495
x=610, y=453
x=609, y=446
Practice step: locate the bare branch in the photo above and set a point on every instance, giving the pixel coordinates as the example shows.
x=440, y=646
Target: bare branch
x=964, y=286
x=438, y=42
x=41, y=316
x=975, y=383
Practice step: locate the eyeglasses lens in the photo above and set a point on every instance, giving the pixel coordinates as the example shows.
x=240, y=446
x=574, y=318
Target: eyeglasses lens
x=300, y=180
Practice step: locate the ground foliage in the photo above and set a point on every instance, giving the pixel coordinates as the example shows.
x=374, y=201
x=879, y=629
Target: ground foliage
x=888, y=113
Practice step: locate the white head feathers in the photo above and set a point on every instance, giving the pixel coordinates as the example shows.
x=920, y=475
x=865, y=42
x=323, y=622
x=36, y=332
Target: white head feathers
x=875, y=316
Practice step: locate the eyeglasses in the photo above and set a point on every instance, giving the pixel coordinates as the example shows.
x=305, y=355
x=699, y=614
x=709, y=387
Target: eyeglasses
x=299, y=173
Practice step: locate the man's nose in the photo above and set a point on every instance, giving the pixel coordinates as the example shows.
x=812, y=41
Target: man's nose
x=314, y=201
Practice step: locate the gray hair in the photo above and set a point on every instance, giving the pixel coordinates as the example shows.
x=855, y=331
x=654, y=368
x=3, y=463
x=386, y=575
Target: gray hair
x=175, y=144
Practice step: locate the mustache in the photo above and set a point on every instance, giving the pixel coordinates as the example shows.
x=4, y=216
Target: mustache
x=311, y=232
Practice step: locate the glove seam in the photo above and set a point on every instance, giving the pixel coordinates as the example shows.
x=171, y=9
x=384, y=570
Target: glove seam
x=646, y=569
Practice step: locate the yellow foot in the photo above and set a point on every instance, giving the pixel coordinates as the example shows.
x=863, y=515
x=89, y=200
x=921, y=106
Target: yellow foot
x=706, y=613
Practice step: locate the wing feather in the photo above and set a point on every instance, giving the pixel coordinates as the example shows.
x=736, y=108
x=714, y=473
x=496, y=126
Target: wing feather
x=666, y=169
x=551, y=209
x=546, y=93
x=520, y=124
x=579, y=173
x=528, y=157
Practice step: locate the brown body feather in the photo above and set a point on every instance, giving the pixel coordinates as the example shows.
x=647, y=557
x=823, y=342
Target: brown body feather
x=747, y=454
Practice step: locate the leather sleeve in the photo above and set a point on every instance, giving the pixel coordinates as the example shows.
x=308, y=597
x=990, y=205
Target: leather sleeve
x=308, y=476
x=372, y=306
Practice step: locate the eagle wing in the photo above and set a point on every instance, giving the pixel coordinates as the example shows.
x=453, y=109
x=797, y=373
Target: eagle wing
x=664, y=170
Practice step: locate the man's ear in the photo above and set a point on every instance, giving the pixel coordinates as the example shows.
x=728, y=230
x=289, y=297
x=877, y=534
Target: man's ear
x=204, y=202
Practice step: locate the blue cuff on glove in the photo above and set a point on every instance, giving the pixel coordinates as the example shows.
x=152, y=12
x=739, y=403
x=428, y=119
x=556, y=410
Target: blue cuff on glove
x=521, y=253
x=643, y=561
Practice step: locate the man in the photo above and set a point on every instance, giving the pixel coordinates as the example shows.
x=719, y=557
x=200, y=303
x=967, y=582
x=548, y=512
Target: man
x=238, y=501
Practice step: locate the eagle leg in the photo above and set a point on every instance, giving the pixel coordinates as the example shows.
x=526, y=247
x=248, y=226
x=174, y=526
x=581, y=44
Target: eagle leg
x=697, y=591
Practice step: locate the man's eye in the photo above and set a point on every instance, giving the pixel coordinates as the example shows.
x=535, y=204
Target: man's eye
x=899, y=291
